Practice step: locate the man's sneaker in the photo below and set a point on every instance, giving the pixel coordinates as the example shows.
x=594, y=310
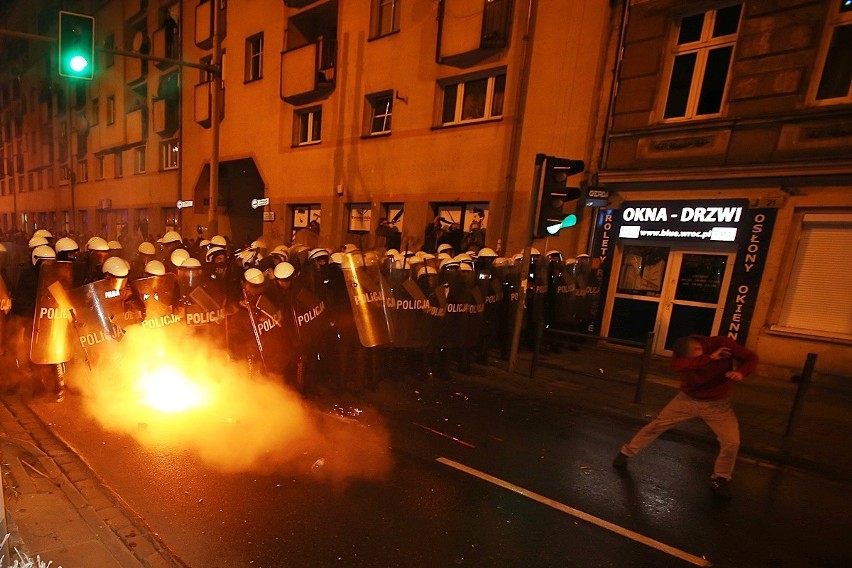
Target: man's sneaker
x=620, y=461
x=719, y=486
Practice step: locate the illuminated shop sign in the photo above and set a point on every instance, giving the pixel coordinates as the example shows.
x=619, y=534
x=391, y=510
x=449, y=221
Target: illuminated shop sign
x=682, y=220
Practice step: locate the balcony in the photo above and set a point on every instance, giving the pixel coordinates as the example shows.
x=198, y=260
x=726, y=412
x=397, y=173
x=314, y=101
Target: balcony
x=472, y=30
x=165, y=113
x=204, y=103
x=307, y=72
x=165, y=43
x=136, y=125
x=204, y=24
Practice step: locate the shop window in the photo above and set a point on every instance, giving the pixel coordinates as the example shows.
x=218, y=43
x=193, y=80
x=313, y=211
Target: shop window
x=642, y=270
x=360, y=217
x=819, y=279
x=384, y=17
x=835, y=74
x=700, y=63
x=473, y=100
x=254, y=57
x=379, y=111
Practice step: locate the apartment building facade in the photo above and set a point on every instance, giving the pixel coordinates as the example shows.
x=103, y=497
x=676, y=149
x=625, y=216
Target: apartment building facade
x=727, y=152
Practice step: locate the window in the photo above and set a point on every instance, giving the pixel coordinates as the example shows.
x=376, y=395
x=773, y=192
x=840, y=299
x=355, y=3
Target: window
x=360, y=217
x=110, y=110
x=139, y=158
x=100, y=164
x=108, y=55
x=308, y=125
x=811, y=303
x=169, y=154
x=306, y=217
x=474, y=99
x=701, y=61
x=835, y=77
x=384, y=17
x=82, y=171
x=96, y=112
x=118, y=166
x=254, y=57
x=379, y=109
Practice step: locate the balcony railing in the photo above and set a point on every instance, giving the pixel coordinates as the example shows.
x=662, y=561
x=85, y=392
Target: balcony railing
x=307, y=72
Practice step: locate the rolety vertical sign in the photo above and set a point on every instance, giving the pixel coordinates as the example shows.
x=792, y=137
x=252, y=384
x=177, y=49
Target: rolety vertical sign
x=748, y=270
x=602, y=250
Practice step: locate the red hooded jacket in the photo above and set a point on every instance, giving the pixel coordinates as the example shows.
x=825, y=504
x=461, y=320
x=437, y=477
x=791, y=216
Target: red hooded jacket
x=703, y=377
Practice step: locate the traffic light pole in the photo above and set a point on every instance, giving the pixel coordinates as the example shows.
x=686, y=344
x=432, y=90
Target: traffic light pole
x=525, y=268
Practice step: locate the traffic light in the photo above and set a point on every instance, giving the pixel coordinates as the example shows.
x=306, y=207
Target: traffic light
x=551, y=216
x=76, y=45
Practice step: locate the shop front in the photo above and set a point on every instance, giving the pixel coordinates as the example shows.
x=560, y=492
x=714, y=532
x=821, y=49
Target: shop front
x=681, y=267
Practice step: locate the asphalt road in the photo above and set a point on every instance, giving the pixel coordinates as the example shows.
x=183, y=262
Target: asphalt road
x=472, y=478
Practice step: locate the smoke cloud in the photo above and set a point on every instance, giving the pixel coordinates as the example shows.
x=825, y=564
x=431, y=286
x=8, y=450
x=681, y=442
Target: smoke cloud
x=170, y=389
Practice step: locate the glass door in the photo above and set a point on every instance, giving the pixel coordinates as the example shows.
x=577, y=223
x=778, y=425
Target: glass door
x=693, y=297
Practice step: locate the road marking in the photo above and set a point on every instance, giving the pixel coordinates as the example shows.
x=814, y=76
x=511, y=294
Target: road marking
x=698, y=561
x=462, y=442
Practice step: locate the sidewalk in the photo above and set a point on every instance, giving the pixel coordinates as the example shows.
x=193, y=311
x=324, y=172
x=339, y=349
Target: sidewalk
x=605, y=380
x=58, y=509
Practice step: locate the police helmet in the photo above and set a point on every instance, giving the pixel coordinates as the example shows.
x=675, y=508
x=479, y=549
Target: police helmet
x=146, y=248
x=254, y=276
x=43, y=233
x=487, y=253
x=42, y=252
x=37, y=241
x=154, y=268
x=203, y=243
x=317, y=254
x=336, y=258
x=426, y=270
x=115, y=266
x=349, y=247
x=66, y=244
x=444, y=247
x=178, y=256
x=97, y=243
x=283, y=270
x=171, y=237
x=392, y=252
x=219, y=241
x=115, y=245
x=212, y=252
x=190, y=263
x=534, y=252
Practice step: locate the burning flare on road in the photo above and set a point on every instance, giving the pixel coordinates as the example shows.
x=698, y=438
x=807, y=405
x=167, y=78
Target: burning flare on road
x=171, y=390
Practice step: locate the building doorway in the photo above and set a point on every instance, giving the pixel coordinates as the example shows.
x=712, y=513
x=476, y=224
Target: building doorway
x=671, y=292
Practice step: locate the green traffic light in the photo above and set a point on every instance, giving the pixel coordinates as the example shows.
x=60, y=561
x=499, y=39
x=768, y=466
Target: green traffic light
x=568, y=221
x=78, y=63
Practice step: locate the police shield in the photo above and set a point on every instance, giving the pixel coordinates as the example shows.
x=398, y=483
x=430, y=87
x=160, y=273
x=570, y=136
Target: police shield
x=273, y=341
x=101, y=316
x=158, y=294
x=464, y=310
x=53, y=339
x=368, y=293
x=562, y=295
x=408, y=311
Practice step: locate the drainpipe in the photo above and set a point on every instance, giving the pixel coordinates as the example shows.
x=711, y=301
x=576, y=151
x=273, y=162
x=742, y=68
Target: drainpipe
x=517, y=127
x=215, y=103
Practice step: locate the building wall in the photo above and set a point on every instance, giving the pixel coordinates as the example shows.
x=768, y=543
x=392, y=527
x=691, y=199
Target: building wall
x=771, y=144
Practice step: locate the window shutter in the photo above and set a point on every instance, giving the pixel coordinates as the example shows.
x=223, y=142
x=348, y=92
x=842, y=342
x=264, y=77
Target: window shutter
x=818, y=296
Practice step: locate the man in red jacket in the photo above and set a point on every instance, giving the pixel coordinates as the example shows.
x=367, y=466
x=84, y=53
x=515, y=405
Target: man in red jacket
x=708, y=367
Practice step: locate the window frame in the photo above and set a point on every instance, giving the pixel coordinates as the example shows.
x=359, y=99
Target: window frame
x=787, y=311
x=460, y=84
x=312, y=115
x=371, y=114
x=169, y=148
x=110, y=110
x=254, y=58
x=140, y=159
x=835, y=21
x=378, y=27
x=702, y=47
